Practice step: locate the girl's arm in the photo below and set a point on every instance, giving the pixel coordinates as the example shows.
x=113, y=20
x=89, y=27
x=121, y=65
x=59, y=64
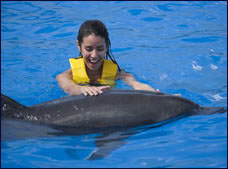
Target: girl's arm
x=65, y=81
x=130, y=80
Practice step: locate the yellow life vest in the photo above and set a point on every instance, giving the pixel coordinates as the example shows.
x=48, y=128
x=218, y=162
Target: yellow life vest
x=80, y=75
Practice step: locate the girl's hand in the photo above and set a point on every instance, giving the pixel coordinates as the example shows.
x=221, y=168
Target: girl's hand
x=92, y=90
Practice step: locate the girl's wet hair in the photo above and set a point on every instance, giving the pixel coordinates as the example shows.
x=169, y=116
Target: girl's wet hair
x=97, y=28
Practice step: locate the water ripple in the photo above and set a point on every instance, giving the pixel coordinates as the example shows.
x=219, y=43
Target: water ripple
x=151, y=19
x=202, y=39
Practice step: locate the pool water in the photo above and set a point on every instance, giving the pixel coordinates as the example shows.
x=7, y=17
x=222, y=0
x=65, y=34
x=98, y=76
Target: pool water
x=177, y=47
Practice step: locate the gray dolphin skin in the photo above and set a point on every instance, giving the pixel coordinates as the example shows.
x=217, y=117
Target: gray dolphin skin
x=113, y=108
x=112, y=114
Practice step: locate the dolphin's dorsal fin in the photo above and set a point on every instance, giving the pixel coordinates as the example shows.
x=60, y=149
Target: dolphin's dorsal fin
x=8, y=104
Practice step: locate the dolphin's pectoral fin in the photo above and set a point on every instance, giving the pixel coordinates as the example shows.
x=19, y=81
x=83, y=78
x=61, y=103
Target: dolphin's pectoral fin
x=106, y=149
x=109, y=142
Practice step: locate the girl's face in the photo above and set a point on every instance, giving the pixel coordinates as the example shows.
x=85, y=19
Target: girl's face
x=93, y=49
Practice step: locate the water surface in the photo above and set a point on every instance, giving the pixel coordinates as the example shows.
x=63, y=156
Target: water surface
x=178, y=47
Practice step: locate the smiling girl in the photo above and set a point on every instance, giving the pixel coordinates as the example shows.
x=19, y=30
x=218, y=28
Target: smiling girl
x=95, y=69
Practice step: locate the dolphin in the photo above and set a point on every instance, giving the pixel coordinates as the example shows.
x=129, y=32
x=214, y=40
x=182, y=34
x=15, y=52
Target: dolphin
x=112, y=113
x=113, y=108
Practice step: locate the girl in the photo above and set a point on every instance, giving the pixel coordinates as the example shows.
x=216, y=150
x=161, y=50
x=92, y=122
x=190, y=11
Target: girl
x=93, y=72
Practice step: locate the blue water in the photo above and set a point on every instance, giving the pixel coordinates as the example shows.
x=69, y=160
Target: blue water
x=177, y=47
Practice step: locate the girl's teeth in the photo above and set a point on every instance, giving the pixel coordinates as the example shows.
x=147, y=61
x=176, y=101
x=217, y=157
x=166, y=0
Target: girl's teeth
x=93, y=61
